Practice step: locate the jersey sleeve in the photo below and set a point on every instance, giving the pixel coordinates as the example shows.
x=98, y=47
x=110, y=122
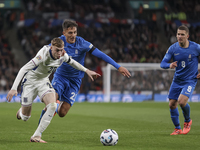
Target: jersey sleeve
x=40, y=56
x=29, y=66
x=85, y=44
x=165, y=62
x=96, y=52
x=66, y=58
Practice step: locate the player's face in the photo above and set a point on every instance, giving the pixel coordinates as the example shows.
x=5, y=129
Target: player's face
x=56, y=52
x=182, y=36
x=70, y=34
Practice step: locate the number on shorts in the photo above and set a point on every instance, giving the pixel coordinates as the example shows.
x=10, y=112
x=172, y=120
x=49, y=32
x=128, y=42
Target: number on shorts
x=73, y=96
x=189, y=89
x=183, y=64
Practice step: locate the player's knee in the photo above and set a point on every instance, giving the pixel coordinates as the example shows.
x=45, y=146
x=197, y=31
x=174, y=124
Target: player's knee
x=181, y=103
x=52, y=106
x=62, y=113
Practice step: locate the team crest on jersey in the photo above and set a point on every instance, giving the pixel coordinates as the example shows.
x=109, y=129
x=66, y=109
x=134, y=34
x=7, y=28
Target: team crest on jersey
x=39, y=57
x=189, y=57
x=76, y=51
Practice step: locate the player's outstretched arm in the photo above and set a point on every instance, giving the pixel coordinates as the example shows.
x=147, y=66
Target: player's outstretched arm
x=93, y=75
x=10, y=95
x=124, y=72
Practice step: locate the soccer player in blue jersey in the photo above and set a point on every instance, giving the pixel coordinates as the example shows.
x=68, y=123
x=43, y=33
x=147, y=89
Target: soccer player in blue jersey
x=67, y=80
x=185, y=61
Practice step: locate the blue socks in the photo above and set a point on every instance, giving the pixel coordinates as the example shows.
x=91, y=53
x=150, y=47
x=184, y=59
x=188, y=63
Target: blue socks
x=186, y=112
x=175, y=118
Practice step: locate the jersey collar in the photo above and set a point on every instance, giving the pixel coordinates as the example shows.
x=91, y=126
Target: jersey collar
x=51, y=54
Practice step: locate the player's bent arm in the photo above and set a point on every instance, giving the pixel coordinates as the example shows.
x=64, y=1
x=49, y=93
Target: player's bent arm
x=74, y=63
x=80, y=67
x=164, y=63
x=29, y=66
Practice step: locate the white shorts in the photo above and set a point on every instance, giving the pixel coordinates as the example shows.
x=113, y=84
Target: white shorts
x=30, y=90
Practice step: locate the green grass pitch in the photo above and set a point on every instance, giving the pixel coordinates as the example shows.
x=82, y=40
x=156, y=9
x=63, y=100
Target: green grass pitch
x=140, y=126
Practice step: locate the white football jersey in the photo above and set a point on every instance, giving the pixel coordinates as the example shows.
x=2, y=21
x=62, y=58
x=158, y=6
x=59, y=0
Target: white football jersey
x=42, y=65
x=45, y=64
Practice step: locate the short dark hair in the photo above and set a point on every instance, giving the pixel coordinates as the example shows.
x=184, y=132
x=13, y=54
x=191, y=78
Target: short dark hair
x=57, y=42
x=183, y=27
x=69, y=23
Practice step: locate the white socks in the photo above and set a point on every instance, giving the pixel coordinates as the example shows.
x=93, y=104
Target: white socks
x=46, y=119
x=25, y=118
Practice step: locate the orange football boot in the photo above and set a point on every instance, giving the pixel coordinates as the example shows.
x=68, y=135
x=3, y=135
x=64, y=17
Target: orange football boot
x=176, y=132
x=187, y=127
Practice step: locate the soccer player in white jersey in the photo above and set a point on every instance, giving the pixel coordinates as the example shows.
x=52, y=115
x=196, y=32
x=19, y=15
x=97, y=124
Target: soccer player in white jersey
x=185, y=55
x=36, y=82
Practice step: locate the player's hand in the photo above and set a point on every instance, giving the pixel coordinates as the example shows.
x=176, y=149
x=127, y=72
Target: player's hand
x=124, y=72
x=173, y=65
x=11, y=93
x=93, y=75
x=198, y=76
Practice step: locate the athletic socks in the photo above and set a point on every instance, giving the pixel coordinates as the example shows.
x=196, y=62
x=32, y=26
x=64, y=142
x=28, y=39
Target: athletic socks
x=46, y=119
x=175, y=118
x=186, y=112
x=43, y=111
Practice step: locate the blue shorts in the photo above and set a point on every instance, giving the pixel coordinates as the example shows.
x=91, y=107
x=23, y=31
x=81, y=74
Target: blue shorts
x=67, y=88
x=184, y=87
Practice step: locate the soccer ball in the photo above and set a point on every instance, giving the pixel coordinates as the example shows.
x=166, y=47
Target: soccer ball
x=109, y=137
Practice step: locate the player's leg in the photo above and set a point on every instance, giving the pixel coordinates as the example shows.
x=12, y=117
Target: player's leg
x=186, y=113
x=59, y=86
x=175, y=117
x=182, y=100
x=173, y=97
x=50, y=102
x=24, y=113
x=27, y=96
x=63, y=109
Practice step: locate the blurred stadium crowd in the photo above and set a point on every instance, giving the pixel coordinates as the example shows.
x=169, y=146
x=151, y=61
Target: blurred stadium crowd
x=126, y=35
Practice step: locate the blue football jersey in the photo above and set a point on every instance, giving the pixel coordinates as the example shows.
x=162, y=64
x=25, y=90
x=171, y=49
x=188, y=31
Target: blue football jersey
x=77, y=51
x=187, y=60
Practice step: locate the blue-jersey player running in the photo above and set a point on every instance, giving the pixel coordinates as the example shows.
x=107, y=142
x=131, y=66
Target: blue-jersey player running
x=185, y=59
x=67, y=80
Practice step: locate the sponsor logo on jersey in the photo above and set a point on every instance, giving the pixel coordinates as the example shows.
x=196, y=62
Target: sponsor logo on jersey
x=39, y=57
x=176, y=54
x=187, y=93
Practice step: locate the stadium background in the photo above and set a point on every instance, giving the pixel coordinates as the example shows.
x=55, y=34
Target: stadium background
x=126, y=30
